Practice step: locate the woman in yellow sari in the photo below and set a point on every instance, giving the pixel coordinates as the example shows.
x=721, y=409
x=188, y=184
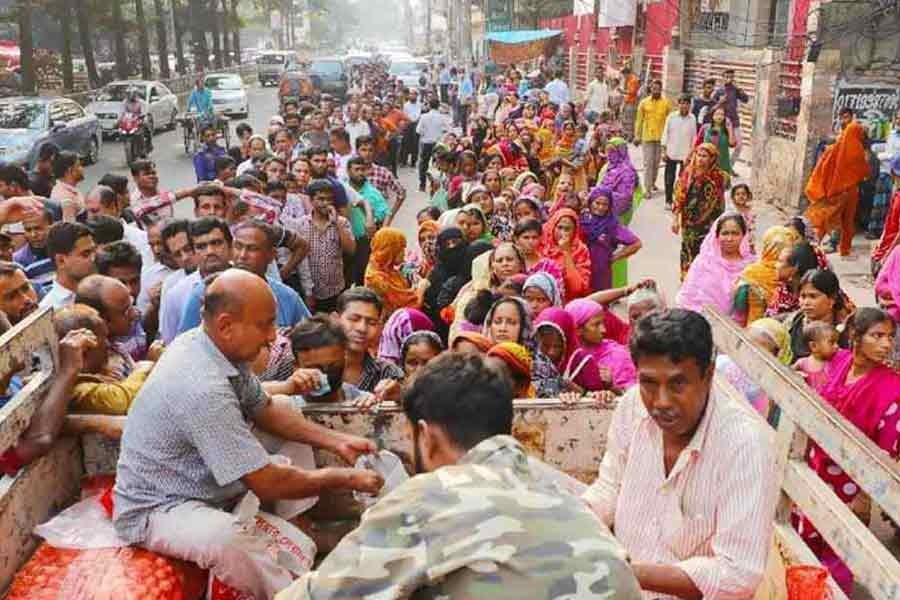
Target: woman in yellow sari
x=759, y=281
x=383, y=274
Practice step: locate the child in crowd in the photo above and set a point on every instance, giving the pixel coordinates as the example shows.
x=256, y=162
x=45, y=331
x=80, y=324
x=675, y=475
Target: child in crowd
x=742, y=203
x=822, y=340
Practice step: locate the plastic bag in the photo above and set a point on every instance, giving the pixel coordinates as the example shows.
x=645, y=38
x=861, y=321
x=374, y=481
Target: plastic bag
x=105, y=574
x=389, y=466
x=807, y=582
x=291, y=548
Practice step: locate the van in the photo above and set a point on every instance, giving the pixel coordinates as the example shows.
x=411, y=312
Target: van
x=271, y=65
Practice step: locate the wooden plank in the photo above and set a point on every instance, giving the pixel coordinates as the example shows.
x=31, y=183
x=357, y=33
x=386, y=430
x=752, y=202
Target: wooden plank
x=33, y=336
x=867, y=464
x=873, y=566
x=794, y=551
x=38, y=492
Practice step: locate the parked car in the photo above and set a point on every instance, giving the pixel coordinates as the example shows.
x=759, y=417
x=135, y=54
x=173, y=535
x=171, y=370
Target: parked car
x=271, y=64
x=160, y=104
x=409, y=71
x=329, y=75
x=26, y=123
x=229, y=96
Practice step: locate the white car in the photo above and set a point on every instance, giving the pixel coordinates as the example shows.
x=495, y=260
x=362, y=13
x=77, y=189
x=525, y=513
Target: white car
x=160, y=104
x=229, y=95
x=408, y=71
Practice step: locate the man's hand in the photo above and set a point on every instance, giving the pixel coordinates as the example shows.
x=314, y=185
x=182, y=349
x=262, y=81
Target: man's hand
x=20, y=208
x=363, y=480
x=155, y=294
x=350, y=447
x=676, y=225
x=387, y=389
x=73, y=346
x=305, y=381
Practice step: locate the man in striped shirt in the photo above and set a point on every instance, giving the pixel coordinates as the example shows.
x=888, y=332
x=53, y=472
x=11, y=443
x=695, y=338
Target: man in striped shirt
x=33, y=257
x=688, y=479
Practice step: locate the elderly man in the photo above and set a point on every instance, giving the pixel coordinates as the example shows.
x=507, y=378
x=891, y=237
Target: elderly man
x=33, y=255
x=477, y=521
x=112, y=299
x=687, y=481
x=189, y=450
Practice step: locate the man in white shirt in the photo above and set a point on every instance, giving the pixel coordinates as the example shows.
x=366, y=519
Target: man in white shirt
x=677, y=141
x=355, y=126
x=72, y=249
x=558, y=90
x=432, y=125
x=688, y=481
x=412, y=108
x=597, y=95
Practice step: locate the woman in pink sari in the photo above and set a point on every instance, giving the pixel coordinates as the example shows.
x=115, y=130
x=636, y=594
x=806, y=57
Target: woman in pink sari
x=598, y=363
x=866, y=393
x=724, y=254
x=887, y=291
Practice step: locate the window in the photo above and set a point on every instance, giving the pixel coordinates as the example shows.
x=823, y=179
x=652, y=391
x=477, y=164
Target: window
x=271, y=59
x=327, y=67
x=119, y=92
x=22, y=115
x=74, y=110
x=163, y=90
x=224, y=82
x=59, y=113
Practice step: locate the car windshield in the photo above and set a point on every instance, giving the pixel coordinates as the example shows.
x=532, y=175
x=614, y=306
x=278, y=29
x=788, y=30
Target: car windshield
x=120, y=93
x=21, y=115
x=224, y=83
x=326, y=67
x=271, y=59
x=406, y=68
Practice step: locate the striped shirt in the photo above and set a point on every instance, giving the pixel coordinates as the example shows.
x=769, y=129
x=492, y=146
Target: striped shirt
x=712, y=516
x=38, y=267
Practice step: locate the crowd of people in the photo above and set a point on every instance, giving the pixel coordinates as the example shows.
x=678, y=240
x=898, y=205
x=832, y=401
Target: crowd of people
x=197, y=341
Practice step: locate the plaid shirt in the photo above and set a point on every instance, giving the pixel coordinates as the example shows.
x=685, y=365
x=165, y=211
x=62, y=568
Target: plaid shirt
x=160, y=206
x=385, y=182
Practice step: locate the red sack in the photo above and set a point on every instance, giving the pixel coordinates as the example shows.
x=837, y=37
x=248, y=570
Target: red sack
x=106, y=574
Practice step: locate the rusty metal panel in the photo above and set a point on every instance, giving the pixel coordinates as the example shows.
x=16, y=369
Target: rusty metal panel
x=37, y=493
x=34, y=336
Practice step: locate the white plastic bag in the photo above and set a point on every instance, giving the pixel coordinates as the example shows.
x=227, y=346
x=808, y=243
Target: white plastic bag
x=82, y=526
x=389, y=466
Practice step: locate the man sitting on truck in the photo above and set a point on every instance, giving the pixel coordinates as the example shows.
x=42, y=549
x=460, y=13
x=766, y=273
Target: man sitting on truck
x=189, y=452
x=699, y=525
x=478, y=520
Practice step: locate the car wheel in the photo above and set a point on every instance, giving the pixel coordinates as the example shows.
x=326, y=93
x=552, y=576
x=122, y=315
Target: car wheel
x=93, y=153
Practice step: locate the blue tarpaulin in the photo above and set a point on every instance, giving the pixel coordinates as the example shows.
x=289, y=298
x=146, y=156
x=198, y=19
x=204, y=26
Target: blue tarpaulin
x=521, y=37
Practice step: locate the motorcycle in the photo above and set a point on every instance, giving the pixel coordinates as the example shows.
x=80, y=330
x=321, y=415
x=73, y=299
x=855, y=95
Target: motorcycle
x=134, y=137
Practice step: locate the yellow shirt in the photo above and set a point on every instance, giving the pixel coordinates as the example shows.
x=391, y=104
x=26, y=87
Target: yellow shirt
x=651, y=118
x=98, y=394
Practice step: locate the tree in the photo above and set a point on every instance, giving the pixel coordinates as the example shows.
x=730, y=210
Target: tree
x=26, y=47
x=235, y=30
x=214, y=28
x=143, y=41
x=87, y=43
x=65, y=22
x=162, y=44
x=178, y=34
x=225, y=22
x=119, y=41
x=198, y=36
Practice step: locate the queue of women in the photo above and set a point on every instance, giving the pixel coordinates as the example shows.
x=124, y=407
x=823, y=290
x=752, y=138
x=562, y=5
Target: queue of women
x=525, y=244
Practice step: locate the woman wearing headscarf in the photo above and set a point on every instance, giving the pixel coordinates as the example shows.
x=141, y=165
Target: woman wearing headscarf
x=471, y=342
x=383, y=274
x=451, y=272
x=401, y=324
x=620, y=177
x=523, y=179
x=887, y=292
x=607, y=240
x=508, y=321
x=598, y=363
x=759, y=280
x=541, y=291
x=556, y=335
x=833, y=186
x=772, y=336
x=518, y=362
x=477, y=228
x=419, y=261
x=698, y=201
x=724, y=255
x=561, y=242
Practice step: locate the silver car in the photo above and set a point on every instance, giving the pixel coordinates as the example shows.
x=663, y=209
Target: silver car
x=229, y=96
x=160, y=104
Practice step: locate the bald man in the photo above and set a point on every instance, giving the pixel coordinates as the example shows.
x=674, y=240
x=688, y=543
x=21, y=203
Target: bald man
x=113, y=300
x=189, y=452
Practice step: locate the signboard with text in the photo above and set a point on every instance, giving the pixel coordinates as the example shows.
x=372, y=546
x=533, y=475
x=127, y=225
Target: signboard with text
x=873, y=104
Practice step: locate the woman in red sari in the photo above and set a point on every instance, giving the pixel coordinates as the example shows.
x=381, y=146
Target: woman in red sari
x=866, y=393
x=562, y=243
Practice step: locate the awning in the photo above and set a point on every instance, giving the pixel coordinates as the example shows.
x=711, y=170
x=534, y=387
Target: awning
x=511, y=47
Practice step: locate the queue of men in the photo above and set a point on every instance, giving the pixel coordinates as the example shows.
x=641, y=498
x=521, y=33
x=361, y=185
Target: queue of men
x=196, y=341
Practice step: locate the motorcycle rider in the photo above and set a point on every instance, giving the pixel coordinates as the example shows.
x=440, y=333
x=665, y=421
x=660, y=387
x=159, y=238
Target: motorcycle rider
x=135, y=106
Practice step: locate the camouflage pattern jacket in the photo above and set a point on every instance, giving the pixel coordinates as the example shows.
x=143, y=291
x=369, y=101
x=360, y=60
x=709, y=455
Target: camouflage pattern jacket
x=483, y=528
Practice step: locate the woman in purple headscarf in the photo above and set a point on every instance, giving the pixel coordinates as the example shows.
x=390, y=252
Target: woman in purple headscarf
x=399, y=326
x=620, y=176
x=607, y=239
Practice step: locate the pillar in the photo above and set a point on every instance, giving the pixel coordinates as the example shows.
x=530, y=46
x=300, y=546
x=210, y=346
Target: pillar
x=673, y=73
